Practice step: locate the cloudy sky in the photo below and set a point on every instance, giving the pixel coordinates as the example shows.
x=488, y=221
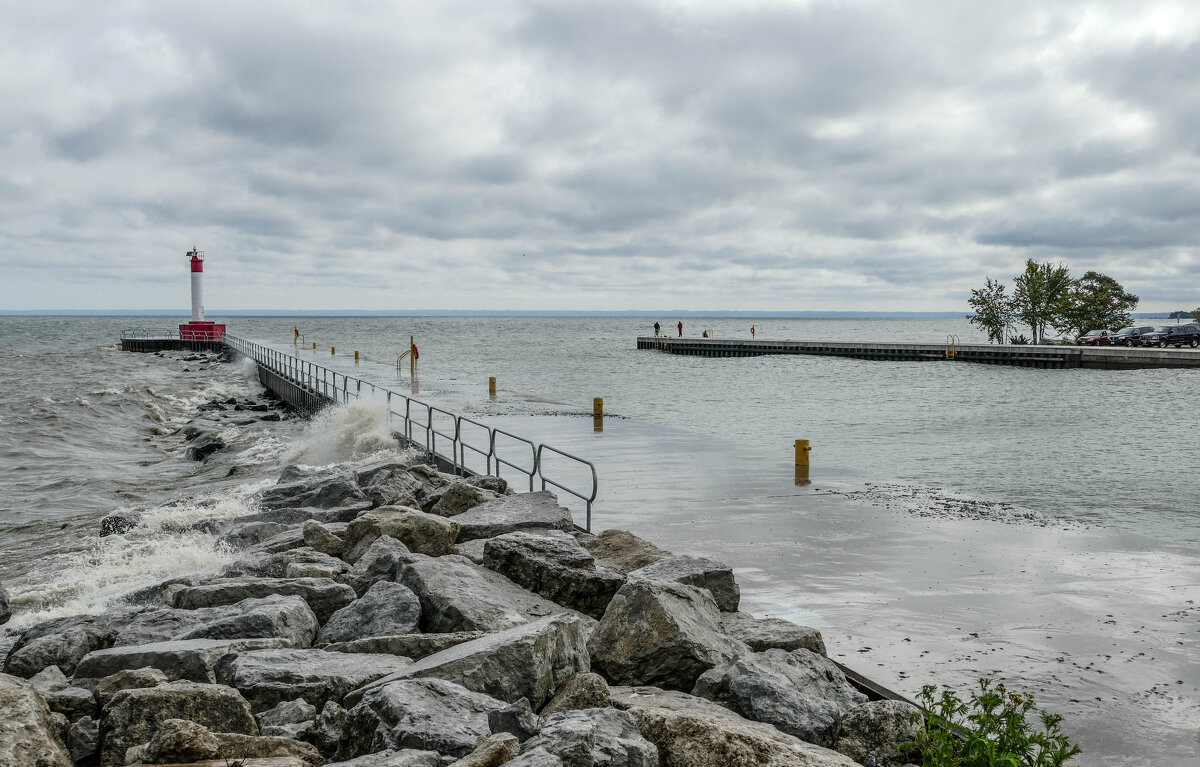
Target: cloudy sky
x=487, y=154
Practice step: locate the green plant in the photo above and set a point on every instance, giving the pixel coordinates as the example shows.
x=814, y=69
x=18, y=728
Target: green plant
x=989, y=730
x=1021, y=339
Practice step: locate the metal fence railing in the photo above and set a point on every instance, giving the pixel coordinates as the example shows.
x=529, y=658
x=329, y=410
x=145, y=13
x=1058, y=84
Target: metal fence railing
x=442, y=434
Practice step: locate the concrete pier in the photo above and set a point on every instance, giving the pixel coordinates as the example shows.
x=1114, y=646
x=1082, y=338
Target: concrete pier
x=1102, y=357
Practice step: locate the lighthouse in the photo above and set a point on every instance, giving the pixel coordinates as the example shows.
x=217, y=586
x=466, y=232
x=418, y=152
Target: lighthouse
x=198, y=329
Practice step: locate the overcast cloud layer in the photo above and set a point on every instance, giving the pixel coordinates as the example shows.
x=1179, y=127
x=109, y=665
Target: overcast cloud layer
x=617, y=155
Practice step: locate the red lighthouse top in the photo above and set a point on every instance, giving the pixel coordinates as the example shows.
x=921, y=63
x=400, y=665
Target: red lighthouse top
x=197, y=260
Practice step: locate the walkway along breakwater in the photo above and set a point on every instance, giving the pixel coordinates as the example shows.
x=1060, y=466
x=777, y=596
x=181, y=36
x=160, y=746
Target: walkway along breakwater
x=1018, y=355
x=386, y=612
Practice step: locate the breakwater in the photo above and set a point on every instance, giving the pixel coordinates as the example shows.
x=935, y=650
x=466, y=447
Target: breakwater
x=381, y=607
x=1100, y=358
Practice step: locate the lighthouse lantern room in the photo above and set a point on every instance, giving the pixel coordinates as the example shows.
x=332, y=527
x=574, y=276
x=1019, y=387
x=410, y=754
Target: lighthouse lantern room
x=199, y=329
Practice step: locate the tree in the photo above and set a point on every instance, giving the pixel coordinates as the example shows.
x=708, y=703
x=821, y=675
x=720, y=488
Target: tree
x=1094, y=302
x=1039, y=293
x=1196, y=314
x=993, y=310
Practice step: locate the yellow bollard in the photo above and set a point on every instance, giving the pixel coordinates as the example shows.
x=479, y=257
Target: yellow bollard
x=598, y=407
x=802, y=451
x=332, y=350
x=314, y=346
x=492, y=386
x=802, y=479
x=356, y=355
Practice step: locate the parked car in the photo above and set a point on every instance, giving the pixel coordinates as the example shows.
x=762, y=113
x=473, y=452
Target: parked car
x=1129, y=336
x=1094, y=338
x=1156, y=335
x=1182, y=334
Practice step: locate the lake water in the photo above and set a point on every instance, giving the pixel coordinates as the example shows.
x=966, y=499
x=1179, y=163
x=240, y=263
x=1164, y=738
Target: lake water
x=945, y=497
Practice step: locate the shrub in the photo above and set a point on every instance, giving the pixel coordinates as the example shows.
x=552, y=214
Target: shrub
x=990, y=730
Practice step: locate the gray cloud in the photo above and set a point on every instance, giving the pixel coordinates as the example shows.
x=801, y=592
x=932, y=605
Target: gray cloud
x=543, y=155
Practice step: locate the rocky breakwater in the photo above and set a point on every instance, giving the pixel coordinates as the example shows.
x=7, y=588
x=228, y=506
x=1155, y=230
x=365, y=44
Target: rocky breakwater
x=394, y=616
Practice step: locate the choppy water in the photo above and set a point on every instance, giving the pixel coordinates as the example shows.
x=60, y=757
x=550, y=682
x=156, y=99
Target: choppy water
x=86, y=430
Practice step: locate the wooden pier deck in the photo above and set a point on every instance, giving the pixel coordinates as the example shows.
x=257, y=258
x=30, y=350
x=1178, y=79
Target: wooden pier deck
x=1100, y=358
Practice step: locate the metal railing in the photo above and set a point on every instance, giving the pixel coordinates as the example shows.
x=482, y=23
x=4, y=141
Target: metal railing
x=439, y=432
x=151, y=334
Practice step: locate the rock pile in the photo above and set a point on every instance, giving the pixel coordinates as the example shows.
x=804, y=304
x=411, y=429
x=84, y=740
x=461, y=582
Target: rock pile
x=395, y=616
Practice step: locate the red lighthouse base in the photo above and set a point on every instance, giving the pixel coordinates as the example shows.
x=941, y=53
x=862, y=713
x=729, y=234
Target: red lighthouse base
x=201, y=331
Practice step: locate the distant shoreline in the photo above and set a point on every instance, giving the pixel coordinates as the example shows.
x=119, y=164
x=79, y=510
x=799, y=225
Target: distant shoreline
x=826, y=315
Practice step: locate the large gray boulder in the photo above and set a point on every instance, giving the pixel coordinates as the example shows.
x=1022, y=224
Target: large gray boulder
x=61, y=642
x=296, y=562
x=600, y=736
x=762, y=634
x=393, y=484
x=27, y=734
x=510, y=513
x=386, y=609
x=133, y=716
x=707, y=574
x=279, y=616
x=694, y=732
x=801, y=693
x=191, y=659
x=407, y=757
x=622, y=551
x=415, y=646
x=530, y=661
x=269, y=677
x=455, y=498
x=584, y=690
x=879, y=727
x=536, y=757
x=320, y=538
x=320, y=492
x=324, y=596
x=5, y=607
x=662, y=634
x=458, y=595
x=380, y=562
x=83, y=740
x=554, y=565
x=250, y=534
x=425, y=714
x=108, y=687
x=422, y=533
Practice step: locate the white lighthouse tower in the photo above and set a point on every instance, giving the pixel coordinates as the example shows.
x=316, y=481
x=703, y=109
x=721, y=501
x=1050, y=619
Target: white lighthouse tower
x=199, y=329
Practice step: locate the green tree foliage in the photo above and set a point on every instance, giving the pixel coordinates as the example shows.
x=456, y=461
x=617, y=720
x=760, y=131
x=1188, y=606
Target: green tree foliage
x=994, y=310
x=1196, y=314
x=1095, y=302
x=1039, y=293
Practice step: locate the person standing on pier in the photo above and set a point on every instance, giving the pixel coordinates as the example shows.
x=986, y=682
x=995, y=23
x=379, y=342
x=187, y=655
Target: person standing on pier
x=751, y=332
x=657, y=329
x=681, y=328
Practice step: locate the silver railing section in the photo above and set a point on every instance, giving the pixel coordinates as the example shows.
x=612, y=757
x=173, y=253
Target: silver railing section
x=442, y=434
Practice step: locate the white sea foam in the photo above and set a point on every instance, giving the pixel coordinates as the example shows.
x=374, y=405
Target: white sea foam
x=344, y=433
x=86, y=582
